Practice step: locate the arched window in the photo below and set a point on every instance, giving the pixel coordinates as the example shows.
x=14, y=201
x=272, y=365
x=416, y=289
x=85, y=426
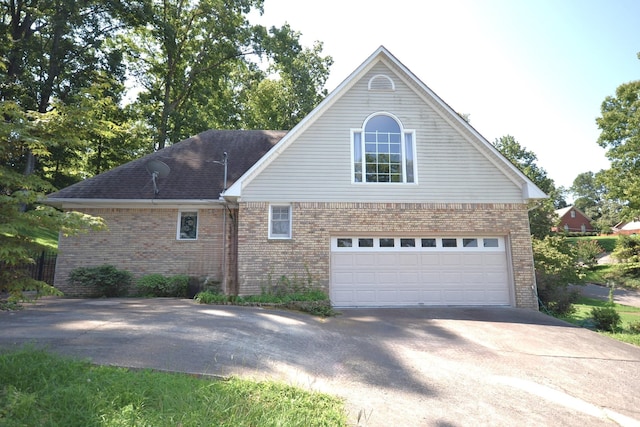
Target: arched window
x=383, y=151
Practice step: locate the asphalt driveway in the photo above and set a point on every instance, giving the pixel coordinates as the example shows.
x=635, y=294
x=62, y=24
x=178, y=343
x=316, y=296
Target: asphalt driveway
x=394, y=367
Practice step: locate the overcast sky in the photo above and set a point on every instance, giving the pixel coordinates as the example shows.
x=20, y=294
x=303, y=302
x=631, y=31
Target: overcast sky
x=538, y=70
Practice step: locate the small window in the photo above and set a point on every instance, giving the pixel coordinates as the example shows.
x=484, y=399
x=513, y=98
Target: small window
x=280, y=222
x=408, y=243
x=490, y=243
x=428, y=243
x=573, y=214
x=387, y=243
x=449, y=243
x=345, y=243
x=365, y=243
x=188, y=226
x=470, y=243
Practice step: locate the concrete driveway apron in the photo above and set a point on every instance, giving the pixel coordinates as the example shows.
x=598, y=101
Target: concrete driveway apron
x=394, y=367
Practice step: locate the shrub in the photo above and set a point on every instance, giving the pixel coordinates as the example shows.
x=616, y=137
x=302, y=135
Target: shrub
x=634, y=327
x=627, y=249
x=157, y=285
x=606, y=318
x=587, y=252
x=556, y=268
x=210, y=297
x=105, y=280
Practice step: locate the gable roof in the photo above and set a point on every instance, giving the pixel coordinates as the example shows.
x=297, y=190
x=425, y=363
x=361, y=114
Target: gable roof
x=196, y=169
x=529, y=189
x=563, y=211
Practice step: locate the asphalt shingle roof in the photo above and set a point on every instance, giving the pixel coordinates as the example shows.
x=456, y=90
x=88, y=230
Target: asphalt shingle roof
x=194, y=169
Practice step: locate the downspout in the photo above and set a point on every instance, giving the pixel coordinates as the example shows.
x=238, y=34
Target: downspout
x=224, y=248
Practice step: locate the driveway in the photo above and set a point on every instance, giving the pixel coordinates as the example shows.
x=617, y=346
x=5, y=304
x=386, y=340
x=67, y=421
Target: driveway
x=394, y=367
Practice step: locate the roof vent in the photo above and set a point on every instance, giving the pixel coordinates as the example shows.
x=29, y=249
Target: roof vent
x=381, y=82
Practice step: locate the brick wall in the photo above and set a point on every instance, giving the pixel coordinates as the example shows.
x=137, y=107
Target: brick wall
x=261, y=260
x=143, y=241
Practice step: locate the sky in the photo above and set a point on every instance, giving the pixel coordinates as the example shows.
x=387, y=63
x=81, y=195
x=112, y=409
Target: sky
x=537, y=70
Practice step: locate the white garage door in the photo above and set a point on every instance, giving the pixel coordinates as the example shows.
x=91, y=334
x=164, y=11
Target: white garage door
x=402, y=271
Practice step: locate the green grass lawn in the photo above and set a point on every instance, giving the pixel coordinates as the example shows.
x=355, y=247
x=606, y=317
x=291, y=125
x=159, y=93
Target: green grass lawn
x=40, y=389
x=599, y=274
x=608, y=243
x=629, y=315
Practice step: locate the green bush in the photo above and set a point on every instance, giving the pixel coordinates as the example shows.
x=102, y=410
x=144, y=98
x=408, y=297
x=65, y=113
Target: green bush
x=606, y=318
x=587, y=252
x=556, y=268
x=634, y=327
x=105, y=280
x=157, y=285
x=627, y=249
x=210, y=297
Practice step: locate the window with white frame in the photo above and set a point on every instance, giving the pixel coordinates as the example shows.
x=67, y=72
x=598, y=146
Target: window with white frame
x=280, y=222
x=188, y=225
x=383, y=151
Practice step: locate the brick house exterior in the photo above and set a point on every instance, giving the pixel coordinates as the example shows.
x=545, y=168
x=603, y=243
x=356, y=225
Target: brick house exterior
x=573, y=220
x=420, y=211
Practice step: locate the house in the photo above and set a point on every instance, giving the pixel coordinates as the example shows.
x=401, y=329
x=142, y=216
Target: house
x=383, y=195
x=573, y=220
x=627, y=228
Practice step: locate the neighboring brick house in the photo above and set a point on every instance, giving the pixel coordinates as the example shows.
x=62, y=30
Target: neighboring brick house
x=628, y=228
x=383, y=196
x=573, y=220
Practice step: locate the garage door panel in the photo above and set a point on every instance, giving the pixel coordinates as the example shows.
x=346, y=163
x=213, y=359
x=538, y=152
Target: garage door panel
x=409, y=278
x=451, y=259
x=493, y=259
x=387, y=259
x=389, y=278
x=343, y=278
x=364, y=277
x=409, y=260
x=366, y=259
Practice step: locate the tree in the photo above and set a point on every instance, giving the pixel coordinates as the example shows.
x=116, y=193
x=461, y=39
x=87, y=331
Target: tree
x=620, y=135
x=20, y=196
x=52, y=50
x=280, y=103
x=541, y=213
x=195, y=64
x=590, y=195
x=556, y=268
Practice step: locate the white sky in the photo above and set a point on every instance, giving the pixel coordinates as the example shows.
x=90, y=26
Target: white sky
x=538, y=70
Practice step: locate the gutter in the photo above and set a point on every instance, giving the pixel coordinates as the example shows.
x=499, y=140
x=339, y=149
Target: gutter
x=82, y=203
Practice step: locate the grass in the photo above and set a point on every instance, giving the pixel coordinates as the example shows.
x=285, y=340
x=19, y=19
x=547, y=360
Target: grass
x=629, y=316
x=608, y=243
x=42, y=389
x=42, y=236
x=599, y=274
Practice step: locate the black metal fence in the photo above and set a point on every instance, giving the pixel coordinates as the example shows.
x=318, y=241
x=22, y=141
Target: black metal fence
x=44, y=268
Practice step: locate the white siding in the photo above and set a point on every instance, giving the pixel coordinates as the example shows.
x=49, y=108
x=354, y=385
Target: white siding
x=317, y=165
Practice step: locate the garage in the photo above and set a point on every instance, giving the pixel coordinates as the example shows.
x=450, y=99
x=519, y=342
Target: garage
x=368, y=271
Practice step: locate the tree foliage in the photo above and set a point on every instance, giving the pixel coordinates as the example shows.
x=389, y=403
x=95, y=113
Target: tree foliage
x=590, y=193
x=542, y=212
x=620, y=135
x=196, y=63
x=20, y=210
x=556, y=268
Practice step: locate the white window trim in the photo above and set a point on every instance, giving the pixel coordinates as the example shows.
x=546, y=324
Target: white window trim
x=179, y=223
x=403, y=132
x=279, y=236
x=418, y=248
